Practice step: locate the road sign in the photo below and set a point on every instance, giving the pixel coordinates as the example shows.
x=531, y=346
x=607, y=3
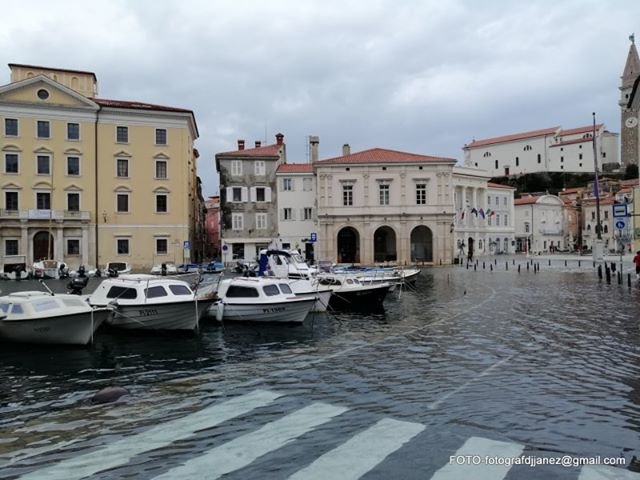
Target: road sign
x=313, y=237
x=620, y=210
x=186, y=244
x=620, y=224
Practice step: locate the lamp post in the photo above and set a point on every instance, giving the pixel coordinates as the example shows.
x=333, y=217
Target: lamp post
x=597, y=244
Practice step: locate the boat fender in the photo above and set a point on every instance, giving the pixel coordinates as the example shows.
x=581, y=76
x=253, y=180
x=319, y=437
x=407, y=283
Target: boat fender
x=219, y=310
x=109, y=394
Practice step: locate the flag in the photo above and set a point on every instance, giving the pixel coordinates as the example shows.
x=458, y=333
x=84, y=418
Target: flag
x=462, y=216
x=474, y=211
x=481, y=212
x=493, y=213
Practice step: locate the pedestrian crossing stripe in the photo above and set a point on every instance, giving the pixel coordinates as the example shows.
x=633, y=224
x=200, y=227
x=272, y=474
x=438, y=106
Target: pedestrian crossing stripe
x=349, y=461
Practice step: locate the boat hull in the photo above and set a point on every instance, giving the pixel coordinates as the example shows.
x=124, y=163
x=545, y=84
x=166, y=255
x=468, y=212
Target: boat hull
x=159, y=316
x=74, y=329
x=294, y=311
x=369, y=299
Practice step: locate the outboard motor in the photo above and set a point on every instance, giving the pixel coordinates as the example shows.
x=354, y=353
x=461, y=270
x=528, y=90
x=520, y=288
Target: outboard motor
x=113, y=273
x=77, y=284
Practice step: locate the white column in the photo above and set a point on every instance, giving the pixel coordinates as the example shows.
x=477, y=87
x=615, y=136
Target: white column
x=85, y=245
x=58, y=253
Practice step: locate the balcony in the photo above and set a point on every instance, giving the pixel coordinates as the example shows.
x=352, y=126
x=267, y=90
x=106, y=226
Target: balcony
x=33, y=214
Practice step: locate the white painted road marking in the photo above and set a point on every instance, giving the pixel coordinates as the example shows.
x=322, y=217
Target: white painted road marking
x=121, y=451
x=601, y=472
x=243, y=450
x=481, y=447
x=362, y=452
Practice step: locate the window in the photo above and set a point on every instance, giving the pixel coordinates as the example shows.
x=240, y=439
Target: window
x=496, y=164
x=73, y=246
x=606, y=214
x=580, y=156
x=11, y=246
x=237, y=194
x=43, y=200
x=504, y=201
x=161, y=169
x=161, y=136
x=517, y=162
x=161, y=203
x=561, y=159
x=271, y=290
x=383, y=191
x=11, y=201
x=73, y=131
x=489, y=220
x=539, y=158
x=489, y=200
x=11, y=163
x=122, y=292
x=307, y=184
x=261, y=221
x=162, y=246
x=43, y=165
x=287, y=184
x=236, y=168
x=180, y=290
x=155, y=292
x=11, y=127
x=237, y=291
x=122, y=167
x=307, y=213
x=73, y=166
x=421, y=194
x=43, y=129
x=526, y=227
x=593, y=215
x=498, y=220
x=287, y=214
x=122, y=203
x=237, y=221
x=347, y=195
x=260, y=167
x=260, y=194
x=122, y=134
x=122, y=246
x=527, y=148
x=73, y=202
x=506, y=220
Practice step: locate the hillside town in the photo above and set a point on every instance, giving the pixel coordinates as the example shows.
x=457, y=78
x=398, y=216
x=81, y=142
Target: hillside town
x=88, y=181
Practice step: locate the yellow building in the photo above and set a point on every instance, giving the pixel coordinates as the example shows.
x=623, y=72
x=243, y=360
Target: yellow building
x=87, y=180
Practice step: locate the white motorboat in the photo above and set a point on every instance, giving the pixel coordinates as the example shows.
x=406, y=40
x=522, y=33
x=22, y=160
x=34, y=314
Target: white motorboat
x=350, y=294
x=41, y=317
x=14, y=268
x=290, y=264
x=150, y=302
x=260, y=299
x=111, y=269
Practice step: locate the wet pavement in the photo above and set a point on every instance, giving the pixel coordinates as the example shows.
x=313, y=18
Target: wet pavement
x=498, y=364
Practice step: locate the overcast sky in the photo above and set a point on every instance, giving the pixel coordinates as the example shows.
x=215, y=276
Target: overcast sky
x=424, y=76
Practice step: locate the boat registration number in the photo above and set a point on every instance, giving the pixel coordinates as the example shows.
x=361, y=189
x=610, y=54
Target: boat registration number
x=147, y=312
x=273, y=310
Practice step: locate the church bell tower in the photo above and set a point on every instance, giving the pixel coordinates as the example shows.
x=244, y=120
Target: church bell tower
x=629, y=141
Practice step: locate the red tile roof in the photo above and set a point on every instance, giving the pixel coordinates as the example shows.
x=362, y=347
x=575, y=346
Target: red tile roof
x=512, y=137
x=137, y=105
x=295, y=168
x=568, y=191
x=499, y=185
x=266, y=151
x=36, y=67
x=528, y=200
x=383, y=155
x=629, y=182
x=578, y=130
x=604, y=200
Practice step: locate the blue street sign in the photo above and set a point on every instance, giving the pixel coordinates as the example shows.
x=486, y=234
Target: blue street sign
x=186, y=245
x=620, y=210
x=313, y=237
x=620, y=224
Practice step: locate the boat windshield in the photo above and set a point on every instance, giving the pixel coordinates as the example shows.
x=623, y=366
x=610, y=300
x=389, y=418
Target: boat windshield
x=285, y=288
x=179, y=290
x=240, y=291
x=270, y=290
x=4, y=307
x=45, y=304
x=122, y=292
x=298, y=258
x=155, y=292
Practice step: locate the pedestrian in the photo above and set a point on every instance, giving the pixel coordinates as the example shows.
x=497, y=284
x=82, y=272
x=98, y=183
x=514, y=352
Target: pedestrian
x=636, y=261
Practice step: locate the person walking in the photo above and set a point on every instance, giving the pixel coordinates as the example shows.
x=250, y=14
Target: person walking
x=636, y=261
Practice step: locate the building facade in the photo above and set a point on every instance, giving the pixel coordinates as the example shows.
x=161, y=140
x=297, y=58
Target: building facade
x=297, y=208
x=382, y=205
x=547, y=150
x=249, y=199
x=629, y=124
x=87, y=180
x=539, y=226
x=212, y=248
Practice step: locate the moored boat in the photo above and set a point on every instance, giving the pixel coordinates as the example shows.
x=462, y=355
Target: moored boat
x=150, y=302
x=41, y=317
x=350, y=294
x=260, y=299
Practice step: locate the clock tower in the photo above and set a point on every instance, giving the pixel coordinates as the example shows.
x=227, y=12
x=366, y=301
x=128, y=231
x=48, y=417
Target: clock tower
x=629, y=141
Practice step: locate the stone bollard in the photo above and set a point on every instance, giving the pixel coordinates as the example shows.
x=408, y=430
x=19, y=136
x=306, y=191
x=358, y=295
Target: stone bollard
x=579, y=262
x=491, y=267
x=549, y=262
x=565, y=263
x=619, y=278
x=483, y=265
x=506, y=266
x=607, y=274
x=527, y=266
x=475, y=267
x=629, y=279
x=518, y=268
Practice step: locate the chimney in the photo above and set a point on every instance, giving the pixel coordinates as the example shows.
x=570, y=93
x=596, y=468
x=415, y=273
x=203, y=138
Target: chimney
x=258, y=143
x=313, y=145
x=240, y=144
x=279, y=139
x=346, y=150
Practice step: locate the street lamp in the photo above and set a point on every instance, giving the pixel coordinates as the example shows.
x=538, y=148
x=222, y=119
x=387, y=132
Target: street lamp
x=597, y=245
